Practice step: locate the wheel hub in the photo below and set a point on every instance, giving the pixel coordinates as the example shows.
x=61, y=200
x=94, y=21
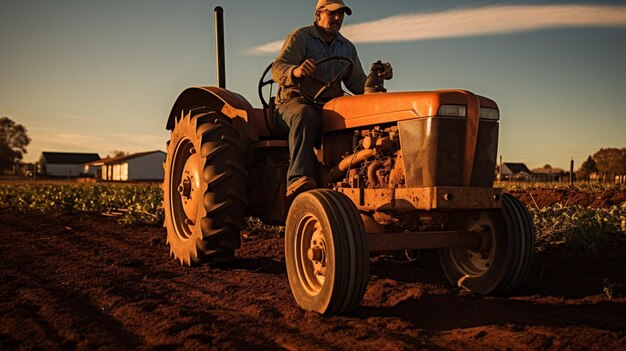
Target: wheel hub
x=189, y=188
x=311, y=254
x=477, y=262
x=185, y=188
x=482, y=256
x=317, y=252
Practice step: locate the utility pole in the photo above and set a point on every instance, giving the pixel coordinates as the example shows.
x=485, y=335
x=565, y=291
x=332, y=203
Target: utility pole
x=571, y=171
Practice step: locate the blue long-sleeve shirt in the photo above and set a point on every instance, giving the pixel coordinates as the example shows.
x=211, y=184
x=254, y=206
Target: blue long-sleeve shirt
x=306, y=43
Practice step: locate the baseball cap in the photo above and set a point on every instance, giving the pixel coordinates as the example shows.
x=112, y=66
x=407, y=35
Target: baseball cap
x=333, y=5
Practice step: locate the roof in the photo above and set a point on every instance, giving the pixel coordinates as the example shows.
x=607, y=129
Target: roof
x=99, y=162
x=71, y=158
x=121, y=159
x=549, y=170
x=516, y=168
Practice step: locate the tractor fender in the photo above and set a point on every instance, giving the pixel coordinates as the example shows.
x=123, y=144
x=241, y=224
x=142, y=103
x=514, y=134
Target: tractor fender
x=231, y=104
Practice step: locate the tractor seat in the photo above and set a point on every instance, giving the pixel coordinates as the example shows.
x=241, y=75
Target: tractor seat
x=271, y=134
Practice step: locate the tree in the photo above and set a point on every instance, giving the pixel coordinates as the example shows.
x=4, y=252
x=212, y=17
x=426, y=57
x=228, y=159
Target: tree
x=610, y=162
x=587, y=168
x=13, y=142
x=119, y=153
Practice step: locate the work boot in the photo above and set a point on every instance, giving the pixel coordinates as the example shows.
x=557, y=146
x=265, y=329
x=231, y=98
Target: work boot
x=301, y=185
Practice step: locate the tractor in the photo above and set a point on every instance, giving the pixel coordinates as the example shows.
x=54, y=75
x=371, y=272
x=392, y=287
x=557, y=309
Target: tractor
x=397, y=171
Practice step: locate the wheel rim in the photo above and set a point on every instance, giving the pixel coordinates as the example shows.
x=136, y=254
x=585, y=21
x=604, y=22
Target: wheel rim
x=311, y=254
x=474, y=263
x=184, y=189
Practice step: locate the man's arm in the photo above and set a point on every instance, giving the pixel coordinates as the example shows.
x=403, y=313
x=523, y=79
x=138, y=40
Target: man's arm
x=291, y=58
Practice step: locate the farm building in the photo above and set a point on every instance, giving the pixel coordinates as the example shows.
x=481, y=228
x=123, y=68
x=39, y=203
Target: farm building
x=64, y=164
x=550, y=174
x=94, y=168
x=516, y=171
x=139, y=166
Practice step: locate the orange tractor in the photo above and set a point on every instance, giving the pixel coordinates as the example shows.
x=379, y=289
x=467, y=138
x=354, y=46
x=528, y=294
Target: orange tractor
x=399, y=171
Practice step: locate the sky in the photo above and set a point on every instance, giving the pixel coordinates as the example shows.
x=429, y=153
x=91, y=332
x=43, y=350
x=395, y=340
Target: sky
x=98, y=76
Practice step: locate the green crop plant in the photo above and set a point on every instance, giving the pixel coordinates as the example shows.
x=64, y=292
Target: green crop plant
x=141, y=204
x=571, y=226
x=577, y=227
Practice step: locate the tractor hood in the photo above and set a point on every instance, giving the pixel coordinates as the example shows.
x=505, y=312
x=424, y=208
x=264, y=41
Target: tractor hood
x=376, y=108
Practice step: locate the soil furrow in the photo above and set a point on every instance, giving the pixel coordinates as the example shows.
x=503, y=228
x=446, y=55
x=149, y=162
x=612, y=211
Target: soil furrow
x=88, y=282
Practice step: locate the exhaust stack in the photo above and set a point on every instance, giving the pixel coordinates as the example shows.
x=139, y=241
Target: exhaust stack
x=219, y=46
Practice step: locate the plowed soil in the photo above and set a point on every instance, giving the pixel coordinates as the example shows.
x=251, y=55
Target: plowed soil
x=73, y=281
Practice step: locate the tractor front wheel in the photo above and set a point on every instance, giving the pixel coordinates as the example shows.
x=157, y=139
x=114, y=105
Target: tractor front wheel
x=326, y=252
x=502, y=264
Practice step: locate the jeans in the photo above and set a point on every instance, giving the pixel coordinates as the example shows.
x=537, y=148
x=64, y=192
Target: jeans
x=303, y=119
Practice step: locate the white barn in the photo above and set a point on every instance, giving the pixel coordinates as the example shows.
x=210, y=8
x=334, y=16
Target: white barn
x=64, y=164
x=139, y=166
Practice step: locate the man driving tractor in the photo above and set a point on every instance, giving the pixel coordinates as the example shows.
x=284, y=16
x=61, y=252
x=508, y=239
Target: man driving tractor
x=302, y=50
x=409, y=170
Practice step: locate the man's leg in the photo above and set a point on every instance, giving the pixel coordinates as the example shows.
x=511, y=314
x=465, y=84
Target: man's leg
x=304, y=122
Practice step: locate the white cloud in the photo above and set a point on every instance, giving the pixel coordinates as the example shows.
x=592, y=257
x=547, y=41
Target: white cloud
x=474, y=22
x=269, y=48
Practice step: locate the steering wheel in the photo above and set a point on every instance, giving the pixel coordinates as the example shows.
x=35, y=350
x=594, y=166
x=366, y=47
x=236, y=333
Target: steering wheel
x=263, y=82
x=325, y=85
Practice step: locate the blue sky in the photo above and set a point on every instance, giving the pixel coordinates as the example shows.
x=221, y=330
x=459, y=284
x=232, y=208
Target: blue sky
x=97, y=76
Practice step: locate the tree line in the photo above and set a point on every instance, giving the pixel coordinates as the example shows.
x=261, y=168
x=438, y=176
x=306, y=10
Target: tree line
x=13, y=141
x=604, y=165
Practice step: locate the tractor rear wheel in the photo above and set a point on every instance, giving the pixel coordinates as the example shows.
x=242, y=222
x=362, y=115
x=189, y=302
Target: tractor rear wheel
x=503, y=262
x=326, y=252
x=204, y=192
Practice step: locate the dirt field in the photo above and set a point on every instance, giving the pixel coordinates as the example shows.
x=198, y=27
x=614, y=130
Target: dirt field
x=86, y=282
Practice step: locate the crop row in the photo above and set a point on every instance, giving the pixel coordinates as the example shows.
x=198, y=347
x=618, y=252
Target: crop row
x=593, y=187
x=577, y=227
x=573, y=226
x=134, y=204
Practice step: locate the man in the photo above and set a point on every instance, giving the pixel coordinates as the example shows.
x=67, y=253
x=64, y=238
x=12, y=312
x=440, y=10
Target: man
x=297, y=61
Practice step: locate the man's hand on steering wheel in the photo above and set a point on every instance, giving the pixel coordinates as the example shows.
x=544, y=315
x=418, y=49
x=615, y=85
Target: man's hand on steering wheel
x=306, y=69
x=324, y=85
